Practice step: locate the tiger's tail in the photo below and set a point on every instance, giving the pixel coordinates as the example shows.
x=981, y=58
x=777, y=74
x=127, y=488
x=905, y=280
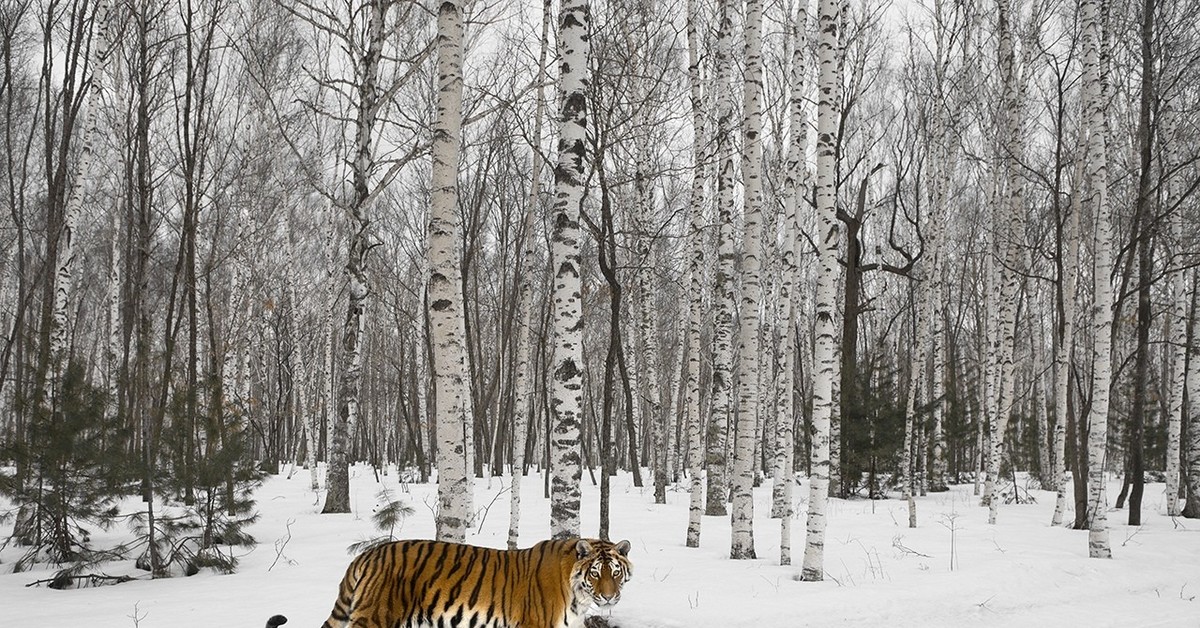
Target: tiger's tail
x=276, y=620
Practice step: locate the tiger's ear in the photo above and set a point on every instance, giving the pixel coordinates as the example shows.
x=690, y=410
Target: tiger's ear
x=623, y=548
x=583, y=548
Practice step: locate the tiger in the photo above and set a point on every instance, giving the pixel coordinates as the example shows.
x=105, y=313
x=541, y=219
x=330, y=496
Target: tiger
x=428, y=584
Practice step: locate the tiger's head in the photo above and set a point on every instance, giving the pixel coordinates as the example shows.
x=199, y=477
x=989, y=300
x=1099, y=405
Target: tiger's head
x=601, y=568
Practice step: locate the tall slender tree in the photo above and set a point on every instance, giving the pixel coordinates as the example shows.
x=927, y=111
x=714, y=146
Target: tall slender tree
x=1178, y=326
x=1091, y=19
x=697, y=247
x=829, y=25
x=566, y=397
x=521, y=413
x=723, y=290
x=742, y=543
x=445, y=288
x=795, y=185
x=358, y=209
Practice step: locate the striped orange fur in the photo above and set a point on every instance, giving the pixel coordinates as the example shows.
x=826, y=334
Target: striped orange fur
x=418, y=584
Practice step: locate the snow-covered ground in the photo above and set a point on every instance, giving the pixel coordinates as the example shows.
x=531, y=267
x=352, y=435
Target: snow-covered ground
x=1020, y=572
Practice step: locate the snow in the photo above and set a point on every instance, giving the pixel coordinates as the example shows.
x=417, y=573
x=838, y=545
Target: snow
x=1020, y=572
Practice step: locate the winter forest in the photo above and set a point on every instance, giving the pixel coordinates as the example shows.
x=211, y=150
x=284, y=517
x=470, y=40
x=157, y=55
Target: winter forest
x=833, y=254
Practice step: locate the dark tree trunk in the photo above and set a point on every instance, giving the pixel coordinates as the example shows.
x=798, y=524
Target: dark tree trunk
x=1145, y=231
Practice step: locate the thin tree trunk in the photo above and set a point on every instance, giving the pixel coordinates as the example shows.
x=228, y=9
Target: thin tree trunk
x=337, y=481
x=1011, y=211
x=1191, y=507
x=1145, y=252
x=795, y=184
x=742, y=542
x=696, y=265
x=1178, y=326
x=828, y=86
x=722, y=376
x=1068, y=281
x=521, y=418
x=1102, y=315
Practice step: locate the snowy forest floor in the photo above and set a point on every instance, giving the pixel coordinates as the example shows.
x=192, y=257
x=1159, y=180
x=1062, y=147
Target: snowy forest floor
x=1020, y=572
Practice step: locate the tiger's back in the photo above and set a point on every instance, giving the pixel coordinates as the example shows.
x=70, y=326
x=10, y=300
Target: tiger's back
x=414, y=584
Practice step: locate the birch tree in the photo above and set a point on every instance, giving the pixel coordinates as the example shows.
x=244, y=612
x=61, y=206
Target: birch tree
x=1191, y=508
x=1091, y=12
x=445, y=272
x=566, y=397
x=525, y=290
x=722, y=370
x=829, y=24
x=1065, y=344
x=742, y=543
x=795, y=182
x=1010, y=212
x=697, y=248
x=64, y=275
x=357, y=206
x=1179, y=332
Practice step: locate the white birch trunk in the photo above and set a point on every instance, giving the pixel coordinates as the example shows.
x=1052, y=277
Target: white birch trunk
x=722, y=370
x=566, y=400
x=1178, y=340
x=1102, y=316
x=835, y=422
x=795, y=184
x=525, y=293
x=990, y=322
x=445, y=288
x=697, y=264
x=1041, y=415
x=337, y=481
x=1012, y=211
x=828, y=87
x=64, y=275
x=300, y=373
x=647, y=377
x=742, y=542
x=1192, y=508
x=112, y=298
x=328, y=416
x=726, y=264
x=1066, y=341
x=917, y=369
x=942, y=170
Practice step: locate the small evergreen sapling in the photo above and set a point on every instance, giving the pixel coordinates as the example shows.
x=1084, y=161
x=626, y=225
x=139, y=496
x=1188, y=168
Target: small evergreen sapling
x=389, y=514
x=220, y=480
x=71, y=477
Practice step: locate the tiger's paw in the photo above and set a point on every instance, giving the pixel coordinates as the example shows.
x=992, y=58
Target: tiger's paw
x=596, y=621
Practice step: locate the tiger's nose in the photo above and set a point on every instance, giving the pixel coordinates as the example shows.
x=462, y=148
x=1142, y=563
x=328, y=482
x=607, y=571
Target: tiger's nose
x=602, y=600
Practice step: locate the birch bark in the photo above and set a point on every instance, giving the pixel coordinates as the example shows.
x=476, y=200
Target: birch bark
x=337, y=481
x=722, y=370
x=525, y=292
x=1012, y=209
x=828, y=88
x=1066, y=340
x=795, y=184
x=1179, y=335
x=445, y=283
x=97, y=58
x=1192, y=508
x=696, y=266
x=1101, y=315
x=567, y=387
x=742, y=543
